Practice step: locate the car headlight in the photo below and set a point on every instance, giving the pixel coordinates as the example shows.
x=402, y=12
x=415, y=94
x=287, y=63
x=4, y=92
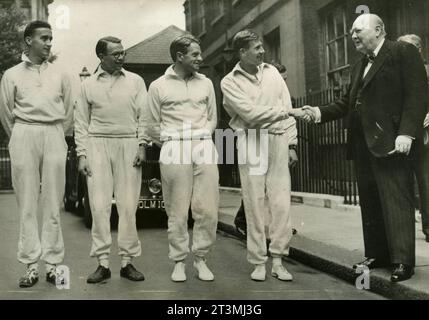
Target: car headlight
x=155, y=186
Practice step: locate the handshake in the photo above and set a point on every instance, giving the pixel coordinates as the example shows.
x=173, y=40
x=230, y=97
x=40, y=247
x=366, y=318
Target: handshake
x=306, y=113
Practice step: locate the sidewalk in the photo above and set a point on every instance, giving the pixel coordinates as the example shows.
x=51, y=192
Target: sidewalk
x=330, y=239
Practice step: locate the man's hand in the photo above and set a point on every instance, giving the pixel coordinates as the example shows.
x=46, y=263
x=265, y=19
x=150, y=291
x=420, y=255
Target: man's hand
x=297, y=113
x=83, y=166
x=403, y=144
x=310, y=113
x=426, y=122
x=305, y=113
x=140, y=157
x=293, y=158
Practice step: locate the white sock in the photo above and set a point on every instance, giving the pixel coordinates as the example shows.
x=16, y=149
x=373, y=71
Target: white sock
x=277, y=261
x=50, y=267
x=125, y=261
x=104, y=262
x=34, y=266
x=198, y=259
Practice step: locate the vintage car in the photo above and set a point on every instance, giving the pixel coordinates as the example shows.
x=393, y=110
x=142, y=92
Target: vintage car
x=5, y=168
x=151, y=203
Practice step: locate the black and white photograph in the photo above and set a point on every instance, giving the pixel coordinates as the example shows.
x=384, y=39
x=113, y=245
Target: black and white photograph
x=214, y=155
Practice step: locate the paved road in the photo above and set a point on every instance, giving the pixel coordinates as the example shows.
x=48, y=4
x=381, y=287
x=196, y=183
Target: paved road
x=227, y=260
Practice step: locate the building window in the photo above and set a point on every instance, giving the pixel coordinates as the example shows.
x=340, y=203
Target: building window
x=272, y=46
x=218, y=10
x=188, y=15
x=426, y=47
x=25, y=4
x=6, y=4
x=335, y=39
x=201, y=18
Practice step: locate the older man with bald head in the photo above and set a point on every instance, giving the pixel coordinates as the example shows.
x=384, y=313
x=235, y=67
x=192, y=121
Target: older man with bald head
x=385, y=106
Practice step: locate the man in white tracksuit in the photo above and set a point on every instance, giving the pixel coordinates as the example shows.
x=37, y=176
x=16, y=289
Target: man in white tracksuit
x=258, y=100
x=106, y=124
x=182, y=114
x=36, y=108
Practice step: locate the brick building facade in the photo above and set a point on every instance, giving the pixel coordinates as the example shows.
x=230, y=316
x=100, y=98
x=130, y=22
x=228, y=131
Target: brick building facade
x=33, y=9
x=310, y=37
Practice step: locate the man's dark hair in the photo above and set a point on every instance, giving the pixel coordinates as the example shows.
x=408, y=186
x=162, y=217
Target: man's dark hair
x=243, y=38
x=101, y=46
x=32, y=26
x=181, y=44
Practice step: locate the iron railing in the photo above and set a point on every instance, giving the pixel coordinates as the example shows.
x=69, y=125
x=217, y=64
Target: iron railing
x=322, y=166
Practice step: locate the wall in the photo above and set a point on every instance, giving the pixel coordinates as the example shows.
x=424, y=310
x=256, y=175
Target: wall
x=288, y=19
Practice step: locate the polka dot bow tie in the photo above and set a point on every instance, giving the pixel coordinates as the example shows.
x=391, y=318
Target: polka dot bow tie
x=370, y=57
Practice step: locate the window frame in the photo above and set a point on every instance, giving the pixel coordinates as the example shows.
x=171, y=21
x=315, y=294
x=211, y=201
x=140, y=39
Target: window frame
x=342, y=38
x=202, y=18
x=221, y=13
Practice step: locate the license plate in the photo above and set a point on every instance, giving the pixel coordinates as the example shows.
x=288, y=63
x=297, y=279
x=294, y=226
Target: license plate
x=151, y=204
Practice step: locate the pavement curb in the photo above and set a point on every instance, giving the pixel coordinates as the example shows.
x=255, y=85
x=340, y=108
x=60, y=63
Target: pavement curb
x=310, y=199
x=379, y=280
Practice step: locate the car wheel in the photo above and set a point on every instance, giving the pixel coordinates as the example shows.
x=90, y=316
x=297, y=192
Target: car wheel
x=69, y=205
x=87, y=215
x=190, y=219
x=114, y=218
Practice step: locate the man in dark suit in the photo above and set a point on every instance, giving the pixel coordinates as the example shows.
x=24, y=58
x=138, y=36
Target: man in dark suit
x=421, y=163
x=385, y=105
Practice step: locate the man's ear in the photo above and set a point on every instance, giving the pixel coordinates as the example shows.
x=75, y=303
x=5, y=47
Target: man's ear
x=179, y=56
x=241, y=52
x=378, y=31
x=28, y=40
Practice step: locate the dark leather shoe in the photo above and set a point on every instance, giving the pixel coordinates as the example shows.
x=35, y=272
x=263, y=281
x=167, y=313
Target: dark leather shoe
x=131, y=273
x=51, y=277
x=401, y=272
x=371, y=263
x=99, y=275
x=29, y=279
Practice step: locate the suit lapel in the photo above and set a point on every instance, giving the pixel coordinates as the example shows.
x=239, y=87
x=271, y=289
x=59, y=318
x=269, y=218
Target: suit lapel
x=379, y=60
x=361, y=68
x=356, y=80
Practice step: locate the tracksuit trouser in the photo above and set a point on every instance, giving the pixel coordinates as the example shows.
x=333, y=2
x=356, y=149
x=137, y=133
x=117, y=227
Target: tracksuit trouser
x=38, y=157
x=113, y=173
x=266, y=187
x=192, y=180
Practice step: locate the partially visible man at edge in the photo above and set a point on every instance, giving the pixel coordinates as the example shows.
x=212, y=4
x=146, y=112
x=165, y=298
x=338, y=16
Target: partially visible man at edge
x=421, y=160
x=36, y=108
